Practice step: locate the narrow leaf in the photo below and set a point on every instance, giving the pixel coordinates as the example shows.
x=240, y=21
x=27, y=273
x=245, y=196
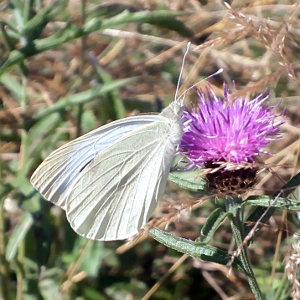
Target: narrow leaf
x=13, y=85
x=113, y=96
x=205, y=252
x=196, y=184
x=34, y=26
x=268, y=201
x=211, y=225
x=81, y=98
x=263, y=214
x=71, y=32
x=18, y=235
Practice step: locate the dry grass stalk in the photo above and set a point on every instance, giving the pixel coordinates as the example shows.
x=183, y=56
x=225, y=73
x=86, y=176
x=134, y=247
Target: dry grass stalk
x=292, y=268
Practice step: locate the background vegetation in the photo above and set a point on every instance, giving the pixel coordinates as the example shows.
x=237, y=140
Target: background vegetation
x=68, y=67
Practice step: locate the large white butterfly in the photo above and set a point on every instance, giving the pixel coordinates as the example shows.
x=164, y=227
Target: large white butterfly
x=109, y=180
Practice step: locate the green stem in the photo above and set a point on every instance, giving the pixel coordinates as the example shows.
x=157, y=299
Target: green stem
x=237, y=225
x=4, y=268
x=19, y=272
x=22, y=158
x=82, y=62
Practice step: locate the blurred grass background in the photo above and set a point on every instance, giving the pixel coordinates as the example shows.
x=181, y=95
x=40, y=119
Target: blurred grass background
x=68, y=67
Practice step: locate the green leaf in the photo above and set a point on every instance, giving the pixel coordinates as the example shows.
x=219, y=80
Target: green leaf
x=13, y=85
x=211, y=225
x=92, y=259
x=18, y=235
x=108, y=10
x=175, y=25
x=49, y=289
x=113, y=96
x=42, y=135
x=263, y=214
x=92, y=294
x=203, y=251
x=39, y=239
x=33, y=28
x=41, y=131
x=22, y=183
x=268, y=201
x=71, y=32
x=81, y=98
x=189, y=181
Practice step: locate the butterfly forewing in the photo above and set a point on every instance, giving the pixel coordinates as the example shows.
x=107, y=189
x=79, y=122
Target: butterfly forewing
x=115, y=193
x=55, y=177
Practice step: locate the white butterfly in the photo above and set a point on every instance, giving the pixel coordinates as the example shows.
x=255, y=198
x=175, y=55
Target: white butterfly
x=109, y=180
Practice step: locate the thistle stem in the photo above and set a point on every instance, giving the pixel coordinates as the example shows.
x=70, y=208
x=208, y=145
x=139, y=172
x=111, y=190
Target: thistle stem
x=237, y=225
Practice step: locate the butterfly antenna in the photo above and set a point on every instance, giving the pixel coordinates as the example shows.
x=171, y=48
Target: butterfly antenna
x=188, y=46
x=214, y=74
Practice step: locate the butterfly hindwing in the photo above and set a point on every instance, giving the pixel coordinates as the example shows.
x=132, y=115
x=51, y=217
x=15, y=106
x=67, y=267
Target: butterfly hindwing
x=117, y=191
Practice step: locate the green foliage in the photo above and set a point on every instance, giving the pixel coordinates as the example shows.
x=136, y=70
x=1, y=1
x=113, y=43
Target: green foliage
x=62, y=73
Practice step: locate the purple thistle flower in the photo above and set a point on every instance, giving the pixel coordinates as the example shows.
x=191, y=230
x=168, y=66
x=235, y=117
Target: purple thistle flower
x=226, y=130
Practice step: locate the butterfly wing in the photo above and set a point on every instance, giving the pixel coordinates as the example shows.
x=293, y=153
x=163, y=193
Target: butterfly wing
x=118, y=190
x=55, y=177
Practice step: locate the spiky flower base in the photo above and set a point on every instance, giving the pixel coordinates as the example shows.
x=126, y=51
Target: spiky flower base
x=230, y=182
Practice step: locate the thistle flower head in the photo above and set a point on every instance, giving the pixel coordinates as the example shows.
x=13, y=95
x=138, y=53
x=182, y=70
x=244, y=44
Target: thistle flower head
x=221, y=130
